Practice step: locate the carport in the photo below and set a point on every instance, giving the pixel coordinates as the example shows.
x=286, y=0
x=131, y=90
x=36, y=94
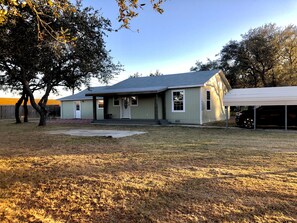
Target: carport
x=268, y=96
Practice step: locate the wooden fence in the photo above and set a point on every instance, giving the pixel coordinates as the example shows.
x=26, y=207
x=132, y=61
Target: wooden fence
x=7, y=111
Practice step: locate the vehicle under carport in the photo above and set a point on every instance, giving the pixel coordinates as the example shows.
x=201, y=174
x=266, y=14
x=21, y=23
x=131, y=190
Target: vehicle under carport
x=285, y=97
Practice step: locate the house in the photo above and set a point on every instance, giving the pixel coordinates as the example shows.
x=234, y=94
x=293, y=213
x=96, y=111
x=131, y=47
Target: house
x=80, y=106
x=188, y=98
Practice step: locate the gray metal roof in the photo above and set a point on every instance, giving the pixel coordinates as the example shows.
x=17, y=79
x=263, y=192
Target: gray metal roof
x=82, y=95
x=157, y=84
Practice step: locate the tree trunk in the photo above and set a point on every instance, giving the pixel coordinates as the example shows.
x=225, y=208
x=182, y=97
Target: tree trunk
x=25, y=106
x=17, y=109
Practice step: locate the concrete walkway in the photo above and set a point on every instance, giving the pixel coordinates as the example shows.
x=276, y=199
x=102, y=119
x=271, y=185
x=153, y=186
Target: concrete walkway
x=102, y=133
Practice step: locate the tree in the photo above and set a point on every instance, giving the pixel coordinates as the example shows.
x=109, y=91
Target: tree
x=157, y=73
x=12, y=9
x=209, y=65
x=137, y=74
x=40, y=66
x=265, y=56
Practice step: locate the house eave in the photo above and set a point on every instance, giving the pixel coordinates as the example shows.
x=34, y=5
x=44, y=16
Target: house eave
x=186, y=86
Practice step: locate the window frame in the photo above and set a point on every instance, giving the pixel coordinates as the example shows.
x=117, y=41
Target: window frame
x=208, y=100
x=184, y=100
x=118, y=99
x=131, y=104
x=98, y=104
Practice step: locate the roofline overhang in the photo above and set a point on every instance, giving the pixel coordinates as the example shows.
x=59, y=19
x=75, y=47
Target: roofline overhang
x=186, y=86
x=126, y=93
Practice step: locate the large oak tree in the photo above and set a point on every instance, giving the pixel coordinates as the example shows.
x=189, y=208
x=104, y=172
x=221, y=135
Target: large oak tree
x=32, y=64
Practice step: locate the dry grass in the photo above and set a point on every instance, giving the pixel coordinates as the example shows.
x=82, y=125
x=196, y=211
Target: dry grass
x=170, y=174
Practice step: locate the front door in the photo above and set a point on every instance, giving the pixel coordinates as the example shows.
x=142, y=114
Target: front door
x=125, y=107
x=77, y=109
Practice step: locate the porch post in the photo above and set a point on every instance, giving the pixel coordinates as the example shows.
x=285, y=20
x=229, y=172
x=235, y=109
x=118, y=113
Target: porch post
x=163, y=106
x=94, y=109
x=255, y=117
x=156, y=108
x=105, y=107
x=286, y=117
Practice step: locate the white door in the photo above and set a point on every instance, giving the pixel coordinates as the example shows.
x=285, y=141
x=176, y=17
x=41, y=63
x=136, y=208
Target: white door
x=125, y=107
x=77, y=109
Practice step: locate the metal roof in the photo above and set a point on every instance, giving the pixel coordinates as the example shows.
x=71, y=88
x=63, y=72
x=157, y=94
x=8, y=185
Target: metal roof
x=82, y=95
x=261, y=96
x=157, y=84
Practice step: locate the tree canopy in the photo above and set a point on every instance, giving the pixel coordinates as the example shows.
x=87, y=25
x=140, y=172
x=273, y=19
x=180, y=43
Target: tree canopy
x=28, y=64
x=12, y=9
x=265, y=56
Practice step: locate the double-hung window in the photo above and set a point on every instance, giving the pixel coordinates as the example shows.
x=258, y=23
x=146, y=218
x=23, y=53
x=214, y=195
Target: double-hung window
x=116, y=101
x=178, y=101
x=208, y=108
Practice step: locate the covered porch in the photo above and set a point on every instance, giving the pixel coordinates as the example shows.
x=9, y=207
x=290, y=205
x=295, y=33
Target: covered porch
x=137, y=105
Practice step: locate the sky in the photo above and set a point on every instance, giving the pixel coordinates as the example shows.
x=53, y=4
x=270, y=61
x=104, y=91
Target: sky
x=187, y=31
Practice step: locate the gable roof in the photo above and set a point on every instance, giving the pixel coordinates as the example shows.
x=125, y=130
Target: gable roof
x=82, y=94
x=156, y=84
x=261, y=96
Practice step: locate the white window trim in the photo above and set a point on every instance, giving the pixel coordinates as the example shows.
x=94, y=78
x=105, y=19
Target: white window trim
x=208, y=100
x=184, y=100
x=98, y=104
x=136, y=101
x=118, y=104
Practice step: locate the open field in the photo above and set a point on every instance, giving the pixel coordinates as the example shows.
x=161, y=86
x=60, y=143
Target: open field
x=170, y=174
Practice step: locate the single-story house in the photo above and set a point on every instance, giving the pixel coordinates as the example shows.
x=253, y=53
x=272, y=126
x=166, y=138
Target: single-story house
x=79, y=105
x=189, y=98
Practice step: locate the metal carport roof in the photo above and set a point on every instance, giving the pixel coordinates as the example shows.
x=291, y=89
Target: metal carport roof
x=261, y=96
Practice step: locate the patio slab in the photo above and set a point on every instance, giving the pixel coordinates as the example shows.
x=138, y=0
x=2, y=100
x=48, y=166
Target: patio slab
x=102, y=133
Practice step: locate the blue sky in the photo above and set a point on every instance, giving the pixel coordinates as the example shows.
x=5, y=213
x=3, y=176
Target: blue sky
x=187, y=31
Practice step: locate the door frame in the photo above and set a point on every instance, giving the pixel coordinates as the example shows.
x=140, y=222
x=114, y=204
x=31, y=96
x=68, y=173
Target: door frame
x=122, y=107
x=75, y=103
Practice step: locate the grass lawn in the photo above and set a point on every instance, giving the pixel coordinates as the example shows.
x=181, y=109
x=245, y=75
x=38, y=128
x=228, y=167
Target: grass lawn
x=170, y=174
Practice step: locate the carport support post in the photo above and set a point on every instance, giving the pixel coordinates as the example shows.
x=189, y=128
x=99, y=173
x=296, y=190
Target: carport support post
x=255, y=117
x=94, y=109
x=227, y=115
x=286, y=117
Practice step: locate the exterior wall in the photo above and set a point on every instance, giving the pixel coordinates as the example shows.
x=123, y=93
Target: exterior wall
x=217, y=90
x=144, y=110
x=191, y=113
x=113, y=110
x=67, y=110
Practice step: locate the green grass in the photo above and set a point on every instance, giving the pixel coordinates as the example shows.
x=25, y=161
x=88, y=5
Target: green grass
x=169, y=174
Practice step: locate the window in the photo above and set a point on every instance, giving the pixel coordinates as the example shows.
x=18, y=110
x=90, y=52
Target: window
x=134, y=100
x=178, y=101
x=116, y=101
x=208, y=100
x=100, y=104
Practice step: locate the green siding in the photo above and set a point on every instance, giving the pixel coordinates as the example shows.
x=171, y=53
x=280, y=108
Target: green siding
x=67, y=109
x=86, y=110
x=191, y=114
x=145, y=108
x=113, y=110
